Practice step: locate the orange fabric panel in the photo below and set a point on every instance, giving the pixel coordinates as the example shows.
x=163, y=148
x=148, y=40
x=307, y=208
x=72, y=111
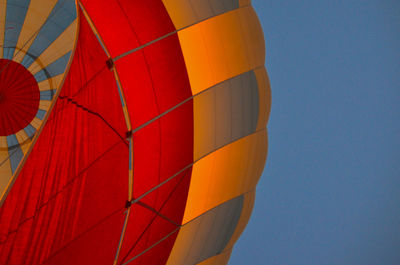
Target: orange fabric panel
x=222, y=47
x=226, y=173
x=181, y=12
x=264, y=94
x=220, y=259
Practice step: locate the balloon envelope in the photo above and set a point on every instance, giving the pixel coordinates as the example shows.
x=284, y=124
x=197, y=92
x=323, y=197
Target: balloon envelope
x=131, y=132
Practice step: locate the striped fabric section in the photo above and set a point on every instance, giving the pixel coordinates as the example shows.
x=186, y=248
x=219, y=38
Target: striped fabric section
x=224, y=52
x=153, y=147
x=14, y=19
x=38, y=35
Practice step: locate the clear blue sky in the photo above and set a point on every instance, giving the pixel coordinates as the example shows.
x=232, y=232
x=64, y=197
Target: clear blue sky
x=330, y=193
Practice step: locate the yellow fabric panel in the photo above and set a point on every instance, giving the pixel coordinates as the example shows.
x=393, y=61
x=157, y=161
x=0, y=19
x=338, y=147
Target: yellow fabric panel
x=36, y=123
x=5, y=171
x=3, y=8
x=226, y=173
x=25, y=146
x=21, y=136
x=63, y=44
x=51, y=83
x=220, y=259
x=222, y=47
x=181, y=12
x=44, y=104
x=3, y=143
x=5, y=166
x=248, y=205
x=264, y=94
x=23, y=141
x=37, y=14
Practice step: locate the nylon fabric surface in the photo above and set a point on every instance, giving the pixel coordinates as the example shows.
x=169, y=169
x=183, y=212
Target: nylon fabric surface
x=156, y=137
x=38, y=37
x=75, y=180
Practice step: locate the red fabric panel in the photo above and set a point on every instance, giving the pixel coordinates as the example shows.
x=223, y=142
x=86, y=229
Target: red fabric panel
x=155, y=80
x=19, y=97
x=87, y=123
x=68, y=200
x=146, y=228
x=155, y=255
x=163, y=148
x=167, y=199
x=93, y=246
x=141, y=237
x=157, y=76
x=127, y=24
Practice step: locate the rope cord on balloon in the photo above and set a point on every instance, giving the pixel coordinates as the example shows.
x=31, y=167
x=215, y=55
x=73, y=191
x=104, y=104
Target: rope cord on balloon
x=158, y=212
x=95, y=114
x=110, y=65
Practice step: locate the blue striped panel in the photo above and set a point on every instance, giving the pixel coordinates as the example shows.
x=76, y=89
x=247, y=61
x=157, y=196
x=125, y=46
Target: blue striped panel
x=30, y=130
x=15, y=17
x=16, y=156
x=46, y=95
x=40, y=114
x=56, y=68
x=14, y=151
x=12, y=140
x=62, y=15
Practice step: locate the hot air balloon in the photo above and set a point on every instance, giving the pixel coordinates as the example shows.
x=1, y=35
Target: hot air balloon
x=131, y=131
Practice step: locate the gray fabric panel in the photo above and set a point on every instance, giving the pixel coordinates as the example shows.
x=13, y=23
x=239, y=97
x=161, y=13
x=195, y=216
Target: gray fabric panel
x=232, y=109
x=14, y=151
x=214, y=229
x=15, y=16
x=209, y=8
x=245, y=105
x=30, y=131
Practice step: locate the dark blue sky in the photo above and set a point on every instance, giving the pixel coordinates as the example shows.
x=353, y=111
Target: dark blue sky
x=330, y=193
